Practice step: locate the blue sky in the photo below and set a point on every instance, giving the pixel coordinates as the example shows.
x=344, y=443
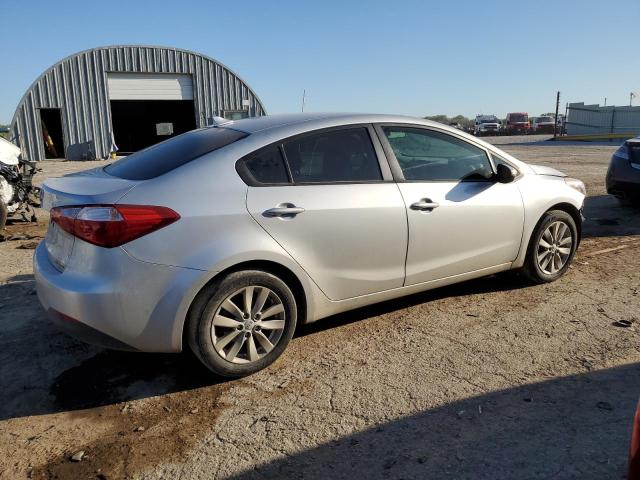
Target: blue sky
x=409, y=57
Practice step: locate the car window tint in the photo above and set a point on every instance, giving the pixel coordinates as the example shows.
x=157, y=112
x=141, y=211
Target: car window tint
x=335, y=156
x=267, y=166
x=173, y=153
x=433, y=156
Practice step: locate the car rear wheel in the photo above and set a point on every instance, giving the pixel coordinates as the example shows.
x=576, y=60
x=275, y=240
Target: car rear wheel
x=242, y=323
x=552, y=247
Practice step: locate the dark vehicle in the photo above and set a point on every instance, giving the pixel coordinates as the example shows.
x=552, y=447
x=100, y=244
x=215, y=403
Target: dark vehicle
x=623, y=176
x=517, y=123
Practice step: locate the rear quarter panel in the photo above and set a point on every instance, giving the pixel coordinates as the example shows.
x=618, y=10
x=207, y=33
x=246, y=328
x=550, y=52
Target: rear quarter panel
x=215, y=230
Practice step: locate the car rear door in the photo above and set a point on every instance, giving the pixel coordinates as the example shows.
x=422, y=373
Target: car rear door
x=328, y=199
x=460, y=219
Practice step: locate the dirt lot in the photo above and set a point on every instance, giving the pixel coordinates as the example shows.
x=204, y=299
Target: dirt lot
x=488, y=379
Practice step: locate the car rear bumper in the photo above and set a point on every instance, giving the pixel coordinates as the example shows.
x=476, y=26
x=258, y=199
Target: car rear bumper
x=116, y=301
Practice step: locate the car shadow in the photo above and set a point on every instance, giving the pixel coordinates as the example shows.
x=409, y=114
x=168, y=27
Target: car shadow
x=465, y=190
x=606, y=216
x=571, y=427
x=45, y=371
x=505, y=281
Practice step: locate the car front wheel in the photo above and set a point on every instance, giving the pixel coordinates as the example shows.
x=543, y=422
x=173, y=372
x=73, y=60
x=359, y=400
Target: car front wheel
x=242, y=323
x=552, y=247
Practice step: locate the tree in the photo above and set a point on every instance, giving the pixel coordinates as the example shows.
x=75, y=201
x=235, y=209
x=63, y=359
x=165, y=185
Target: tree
x=458, y=119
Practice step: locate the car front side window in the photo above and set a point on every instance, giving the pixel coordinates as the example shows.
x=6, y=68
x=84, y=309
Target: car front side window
x=427, y=155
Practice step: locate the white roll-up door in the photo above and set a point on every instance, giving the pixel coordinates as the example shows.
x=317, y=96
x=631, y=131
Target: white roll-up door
x=150, y=86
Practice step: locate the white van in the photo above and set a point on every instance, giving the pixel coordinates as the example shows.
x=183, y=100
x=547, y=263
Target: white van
x=486, y=125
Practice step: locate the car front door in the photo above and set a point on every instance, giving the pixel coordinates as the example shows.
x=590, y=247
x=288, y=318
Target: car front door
x=330, y=202
x=460, y=219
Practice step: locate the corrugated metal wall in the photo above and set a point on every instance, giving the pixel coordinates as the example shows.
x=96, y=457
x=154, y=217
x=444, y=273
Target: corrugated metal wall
x=593, y=119
x=78, y=86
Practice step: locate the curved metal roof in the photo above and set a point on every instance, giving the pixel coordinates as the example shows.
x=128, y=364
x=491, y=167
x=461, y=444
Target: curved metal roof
x=77, y=85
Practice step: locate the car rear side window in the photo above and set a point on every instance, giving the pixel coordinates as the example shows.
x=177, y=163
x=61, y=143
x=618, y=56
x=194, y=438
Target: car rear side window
x=344, y=155
x=173, y=153
x=266, y=166
x=427, y=155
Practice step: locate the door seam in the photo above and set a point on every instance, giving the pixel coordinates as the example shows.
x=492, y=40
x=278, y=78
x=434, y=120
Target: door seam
x=406, y=218
x=246, y=206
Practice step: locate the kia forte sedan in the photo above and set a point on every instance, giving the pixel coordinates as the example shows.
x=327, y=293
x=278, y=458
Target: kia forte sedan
x=224, y=238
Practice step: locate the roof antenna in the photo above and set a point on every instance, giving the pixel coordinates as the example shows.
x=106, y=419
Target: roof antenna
x=304, y=94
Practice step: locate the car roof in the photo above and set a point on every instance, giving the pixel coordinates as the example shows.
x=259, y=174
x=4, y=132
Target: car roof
x=318, y=120
x=269, y=128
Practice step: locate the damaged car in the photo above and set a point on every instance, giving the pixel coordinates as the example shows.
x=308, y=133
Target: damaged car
x=225, y=238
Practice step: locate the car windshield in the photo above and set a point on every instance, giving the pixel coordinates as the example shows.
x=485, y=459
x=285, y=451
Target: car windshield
x=518, y=118
x=545, y=119
x=489, y=120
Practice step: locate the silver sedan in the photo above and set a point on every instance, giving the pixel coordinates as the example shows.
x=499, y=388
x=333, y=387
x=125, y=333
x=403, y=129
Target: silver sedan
x=226, y=237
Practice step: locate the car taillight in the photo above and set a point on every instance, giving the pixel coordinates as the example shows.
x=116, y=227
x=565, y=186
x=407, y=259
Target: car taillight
x=112, y=225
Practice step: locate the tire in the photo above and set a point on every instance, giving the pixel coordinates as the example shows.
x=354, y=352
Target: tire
x=535, y=270
x=202, y=331
x=4, y=213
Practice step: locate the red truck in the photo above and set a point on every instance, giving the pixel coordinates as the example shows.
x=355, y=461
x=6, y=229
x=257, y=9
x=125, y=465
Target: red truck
x=517, y=123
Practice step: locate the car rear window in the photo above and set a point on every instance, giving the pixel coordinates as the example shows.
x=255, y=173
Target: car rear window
x=173, y=153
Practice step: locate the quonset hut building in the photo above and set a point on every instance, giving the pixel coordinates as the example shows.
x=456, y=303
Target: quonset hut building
x=128, y=97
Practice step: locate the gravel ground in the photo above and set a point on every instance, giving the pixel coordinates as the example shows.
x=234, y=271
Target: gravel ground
x=489, y=379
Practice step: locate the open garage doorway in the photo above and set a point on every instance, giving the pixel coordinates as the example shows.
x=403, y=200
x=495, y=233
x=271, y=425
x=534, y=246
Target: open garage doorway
x=138, y=124
x=52, y=137
x=147, y=108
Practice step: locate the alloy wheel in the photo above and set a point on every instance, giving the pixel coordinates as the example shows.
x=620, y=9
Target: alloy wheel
x=554, y=247
x=248, y=324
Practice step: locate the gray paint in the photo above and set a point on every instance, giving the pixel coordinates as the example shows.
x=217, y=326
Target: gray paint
x=78, y=86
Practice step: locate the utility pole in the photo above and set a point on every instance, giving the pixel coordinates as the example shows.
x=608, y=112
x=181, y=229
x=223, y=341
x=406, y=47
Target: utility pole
x=304, y=94
x=555, y=124
x=605, y=101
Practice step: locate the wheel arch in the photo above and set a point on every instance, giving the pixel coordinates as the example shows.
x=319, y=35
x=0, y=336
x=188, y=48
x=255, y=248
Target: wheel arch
x=565, y=206
x=269, y=266
x=571, y=210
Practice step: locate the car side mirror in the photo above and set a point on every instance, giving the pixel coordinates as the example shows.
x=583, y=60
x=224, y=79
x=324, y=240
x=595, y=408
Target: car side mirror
x=504, y=174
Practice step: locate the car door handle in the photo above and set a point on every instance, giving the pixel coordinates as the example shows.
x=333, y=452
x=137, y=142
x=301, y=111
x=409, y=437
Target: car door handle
x=283, y=211
x=424, y=205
